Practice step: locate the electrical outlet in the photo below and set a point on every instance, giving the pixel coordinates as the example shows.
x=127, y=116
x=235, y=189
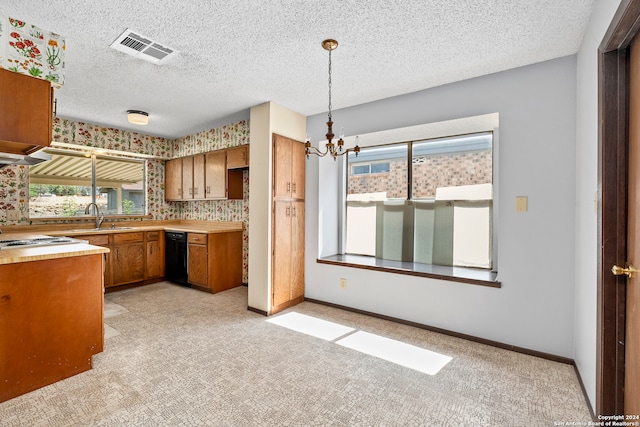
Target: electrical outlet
x=343, y=283
x=13, y=215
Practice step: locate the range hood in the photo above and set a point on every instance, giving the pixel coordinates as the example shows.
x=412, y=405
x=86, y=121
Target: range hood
x=22, y=159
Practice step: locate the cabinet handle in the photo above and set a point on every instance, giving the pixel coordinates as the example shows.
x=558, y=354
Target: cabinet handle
x=195, y=190
x=288, y=186
x=288, y=211
x=294, y=187
x=294, y=211
x=208, y=189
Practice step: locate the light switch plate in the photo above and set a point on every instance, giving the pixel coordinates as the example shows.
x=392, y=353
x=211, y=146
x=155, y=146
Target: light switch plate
x=521, y=204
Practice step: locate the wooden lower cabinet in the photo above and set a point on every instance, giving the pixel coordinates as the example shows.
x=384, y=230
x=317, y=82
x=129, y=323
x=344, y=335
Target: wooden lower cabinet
x=155, y=254
x=288, y=254
x=214, y=260
x=128, y=263
x=197, y=259
x=127, y=258
x=51, y=321
x=133, y=257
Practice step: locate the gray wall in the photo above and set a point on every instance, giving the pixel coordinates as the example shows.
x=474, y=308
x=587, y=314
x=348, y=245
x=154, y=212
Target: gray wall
x=534, y=307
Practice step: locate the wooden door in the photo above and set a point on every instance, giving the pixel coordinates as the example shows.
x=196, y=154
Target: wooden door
x=282, y=250
x=198, y=177
x=216, y=175
x=173, y=179
x=187, y=178
x=281, y=166
x=297, y=250
x=632, y=339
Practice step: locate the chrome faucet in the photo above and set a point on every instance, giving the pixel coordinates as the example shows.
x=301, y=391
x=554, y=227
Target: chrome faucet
x=99, y=218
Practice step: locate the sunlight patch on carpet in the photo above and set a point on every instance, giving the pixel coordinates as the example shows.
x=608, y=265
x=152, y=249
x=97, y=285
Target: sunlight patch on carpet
x=407, y=355
x=310, y=325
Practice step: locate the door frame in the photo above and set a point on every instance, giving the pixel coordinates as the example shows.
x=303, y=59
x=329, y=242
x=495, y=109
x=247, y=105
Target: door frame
x=613, y=148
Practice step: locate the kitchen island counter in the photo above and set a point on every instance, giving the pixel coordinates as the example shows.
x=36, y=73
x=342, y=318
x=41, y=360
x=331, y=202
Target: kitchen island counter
x=51, y=313
x=19, y=254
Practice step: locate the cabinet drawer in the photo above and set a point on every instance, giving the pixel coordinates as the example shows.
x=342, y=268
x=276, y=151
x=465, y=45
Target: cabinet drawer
x=98, y=240
x=197, y=238
x=127, y=238
x=153, y=236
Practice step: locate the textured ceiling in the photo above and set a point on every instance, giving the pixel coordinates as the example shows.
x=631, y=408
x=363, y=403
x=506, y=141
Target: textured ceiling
x=240, y=53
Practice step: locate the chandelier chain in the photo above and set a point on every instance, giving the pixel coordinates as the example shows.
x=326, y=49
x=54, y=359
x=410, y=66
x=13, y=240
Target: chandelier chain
x=329, y=84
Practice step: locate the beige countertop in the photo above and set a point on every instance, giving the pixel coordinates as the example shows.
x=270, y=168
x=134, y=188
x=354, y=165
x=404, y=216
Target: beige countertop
x=38, y=253
x=8, y=256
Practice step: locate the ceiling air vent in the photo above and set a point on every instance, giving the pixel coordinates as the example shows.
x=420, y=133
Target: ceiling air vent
x=142, y=47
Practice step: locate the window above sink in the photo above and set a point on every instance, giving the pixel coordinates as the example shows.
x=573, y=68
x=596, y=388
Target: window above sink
x=63, y=186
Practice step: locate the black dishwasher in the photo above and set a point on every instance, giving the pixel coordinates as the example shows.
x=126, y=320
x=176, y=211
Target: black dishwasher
x=176, y=257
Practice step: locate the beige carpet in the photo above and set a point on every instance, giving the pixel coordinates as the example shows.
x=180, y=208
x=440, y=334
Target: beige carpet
x=183, y=357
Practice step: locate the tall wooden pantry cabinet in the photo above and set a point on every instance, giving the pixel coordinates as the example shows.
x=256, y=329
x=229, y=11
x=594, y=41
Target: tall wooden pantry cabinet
x=288, y=223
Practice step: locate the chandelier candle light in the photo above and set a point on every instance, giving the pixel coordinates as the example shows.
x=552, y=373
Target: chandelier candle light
x=330, y=147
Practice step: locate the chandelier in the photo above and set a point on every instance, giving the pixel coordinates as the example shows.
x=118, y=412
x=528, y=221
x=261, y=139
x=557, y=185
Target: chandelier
x=334, y=150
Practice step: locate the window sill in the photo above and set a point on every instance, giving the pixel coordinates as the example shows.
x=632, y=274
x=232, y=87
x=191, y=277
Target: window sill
x=473, y=276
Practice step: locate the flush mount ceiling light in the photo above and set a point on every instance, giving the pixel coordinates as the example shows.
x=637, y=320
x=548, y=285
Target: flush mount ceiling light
x=330, y=147
x=138, y=117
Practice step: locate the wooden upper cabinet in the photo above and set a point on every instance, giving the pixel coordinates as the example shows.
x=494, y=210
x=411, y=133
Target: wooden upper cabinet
x=26, y=113
x=207, y=175
x=298, y=164
x=288, y=168
x=173, y=179
x=238, y=157
x=215, y=175
x=187, y=178
x=198, y=191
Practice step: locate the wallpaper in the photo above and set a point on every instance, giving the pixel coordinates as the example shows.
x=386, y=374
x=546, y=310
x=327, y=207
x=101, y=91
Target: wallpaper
x=29, y=50
x=14, y=180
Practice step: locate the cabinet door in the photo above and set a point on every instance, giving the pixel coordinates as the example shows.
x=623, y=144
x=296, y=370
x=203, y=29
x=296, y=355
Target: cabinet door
x=282, y=250
x=297, y=249
x=216, y=175
x=298, y=163
x=288, y=168
x=154, y=260
x=173, y=179
x=187, y=178
x=26, y=118
x=238, y=157
x=198, y=177
x=128, y=263
x=281, y=166
x=197, y=265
